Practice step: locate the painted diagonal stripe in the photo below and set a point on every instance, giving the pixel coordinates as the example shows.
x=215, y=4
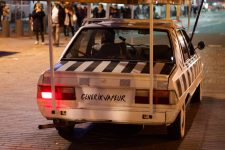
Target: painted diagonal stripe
x=63, y=62
x=129, y=67
x=83, y=66
x=66, y=65
x=196, y=68
x=110, y=67
x=120, y=67
x=146, y=68
x=184, y=82
x=167, y=68
x=158, y=68
x=139, y=67
x=179, y=87
x=199, y=69
x=189, y=77
x=74, y=66
x=193, y=74
x=195, y=71
x=92, y=66
x=101, y=66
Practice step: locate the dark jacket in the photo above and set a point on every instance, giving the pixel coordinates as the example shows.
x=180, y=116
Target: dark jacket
x=38, y=21
x=61, y=15
x=101, y=14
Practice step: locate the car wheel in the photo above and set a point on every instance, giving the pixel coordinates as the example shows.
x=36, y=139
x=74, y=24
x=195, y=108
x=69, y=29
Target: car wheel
x=176, y=130
x=64, y=127
x=197, y=96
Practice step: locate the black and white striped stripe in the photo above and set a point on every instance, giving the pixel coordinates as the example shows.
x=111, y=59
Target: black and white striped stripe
x=115, y=67
x=188, y=77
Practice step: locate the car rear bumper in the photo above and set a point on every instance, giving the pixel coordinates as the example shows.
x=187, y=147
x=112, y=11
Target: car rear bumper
x=114, y=116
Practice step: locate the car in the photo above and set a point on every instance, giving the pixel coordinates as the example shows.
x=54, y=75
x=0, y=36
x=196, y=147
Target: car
x=103, y=76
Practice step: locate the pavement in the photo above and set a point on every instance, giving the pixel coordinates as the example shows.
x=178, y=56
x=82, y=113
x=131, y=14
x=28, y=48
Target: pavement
x=21, y=63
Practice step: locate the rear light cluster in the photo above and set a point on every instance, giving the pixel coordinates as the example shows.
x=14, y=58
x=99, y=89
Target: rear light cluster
x=159, y=97
x=61, y=92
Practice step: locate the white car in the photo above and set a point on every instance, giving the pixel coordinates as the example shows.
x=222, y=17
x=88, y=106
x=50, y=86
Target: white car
x=103, y=76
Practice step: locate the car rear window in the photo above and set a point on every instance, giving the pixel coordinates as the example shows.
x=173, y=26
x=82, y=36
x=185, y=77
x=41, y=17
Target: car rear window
x=119, y=44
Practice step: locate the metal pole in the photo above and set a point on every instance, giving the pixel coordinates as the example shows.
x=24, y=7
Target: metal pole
x=51, y=55
x=167, y=11
x=21, y=10
x=132, y=12
x=107, y=11
x=88, y=11
x=151, y=56
x=189, y=16
x=196, y=22
x=178, y=12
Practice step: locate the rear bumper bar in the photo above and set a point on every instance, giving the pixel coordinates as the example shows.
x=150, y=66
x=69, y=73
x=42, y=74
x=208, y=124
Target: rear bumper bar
x=115, y=116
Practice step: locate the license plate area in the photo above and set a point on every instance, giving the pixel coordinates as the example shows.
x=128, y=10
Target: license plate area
x=102, y=96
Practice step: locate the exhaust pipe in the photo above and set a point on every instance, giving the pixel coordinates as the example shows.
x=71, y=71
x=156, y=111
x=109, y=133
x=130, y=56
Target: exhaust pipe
x=46, y=126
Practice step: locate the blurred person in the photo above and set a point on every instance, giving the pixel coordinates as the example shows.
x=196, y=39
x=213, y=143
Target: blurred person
x=85, y=11
x=114, y=12
x=137, y=11
x=126, y=11
x=6, y=12
x=95, y=11
x=38, y=22
x=70, y=19
x=2, y=5
x=80, y=15
x=100, y=12
x=58, y=17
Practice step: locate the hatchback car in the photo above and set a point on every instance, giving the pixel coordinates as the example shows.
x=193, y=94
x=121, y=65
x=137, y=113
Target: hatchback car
x=103, y=76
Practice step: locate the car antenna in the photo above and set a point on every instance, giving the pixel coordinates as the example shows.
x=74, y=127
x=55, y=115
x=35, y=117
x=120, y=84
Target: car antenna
x=196, y=21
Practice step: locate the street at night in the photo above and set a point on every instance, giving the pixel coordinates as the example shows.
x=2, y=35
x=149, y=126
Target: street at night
x=22, y=62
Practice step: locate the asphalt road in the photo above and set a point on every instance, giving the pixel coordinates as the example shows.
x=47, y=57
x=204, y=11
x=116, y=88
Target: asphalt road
x=21, y=63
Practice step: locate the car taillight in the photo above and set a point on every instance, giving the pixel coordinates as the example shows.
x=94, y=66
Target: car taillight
x=61, y=92
x=46, y=95
x=159, y=97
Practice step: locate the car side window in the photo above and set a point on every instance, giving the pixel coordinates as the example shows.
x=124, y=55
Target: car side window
x=183, y=45
x=189, y=44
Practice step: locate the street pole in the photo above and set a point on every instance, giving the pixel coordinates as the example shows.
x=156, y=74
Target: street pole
x=196, y=22
x=51, y=56
x=168, y=11
x=151, y=56
x=189, y=16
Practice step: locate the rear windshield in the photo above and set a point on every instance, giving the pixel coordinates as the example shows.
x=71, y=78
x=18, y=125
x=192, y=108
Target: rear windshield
x=119, y=44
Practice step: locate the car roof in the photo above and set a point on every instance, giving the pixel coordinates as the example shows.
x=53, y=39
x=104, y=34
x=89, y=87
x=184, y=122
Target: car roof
x=132, y=23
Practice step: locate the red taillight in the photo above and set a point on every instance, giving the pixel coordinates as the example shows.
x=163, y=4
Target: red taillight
x=61, y=93
x=46, y=95
x=159, y=97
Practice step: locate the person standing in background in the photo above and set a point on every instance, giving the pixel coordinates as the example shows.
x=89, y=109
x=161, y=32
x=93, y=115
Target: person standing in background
x=126, y=11
x=6, y=12
x=101, y=12
x=58, y=17
x=80, y=13
x=2, y=5
x=114, y=12
x=38, y=23
x=95, y=11
x=70, y=19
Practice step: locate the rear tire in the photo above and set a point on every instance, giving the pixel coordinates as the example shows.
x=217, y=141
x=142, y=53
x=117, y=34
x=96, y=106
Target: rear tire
x=197, y=96
x=176, y=130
